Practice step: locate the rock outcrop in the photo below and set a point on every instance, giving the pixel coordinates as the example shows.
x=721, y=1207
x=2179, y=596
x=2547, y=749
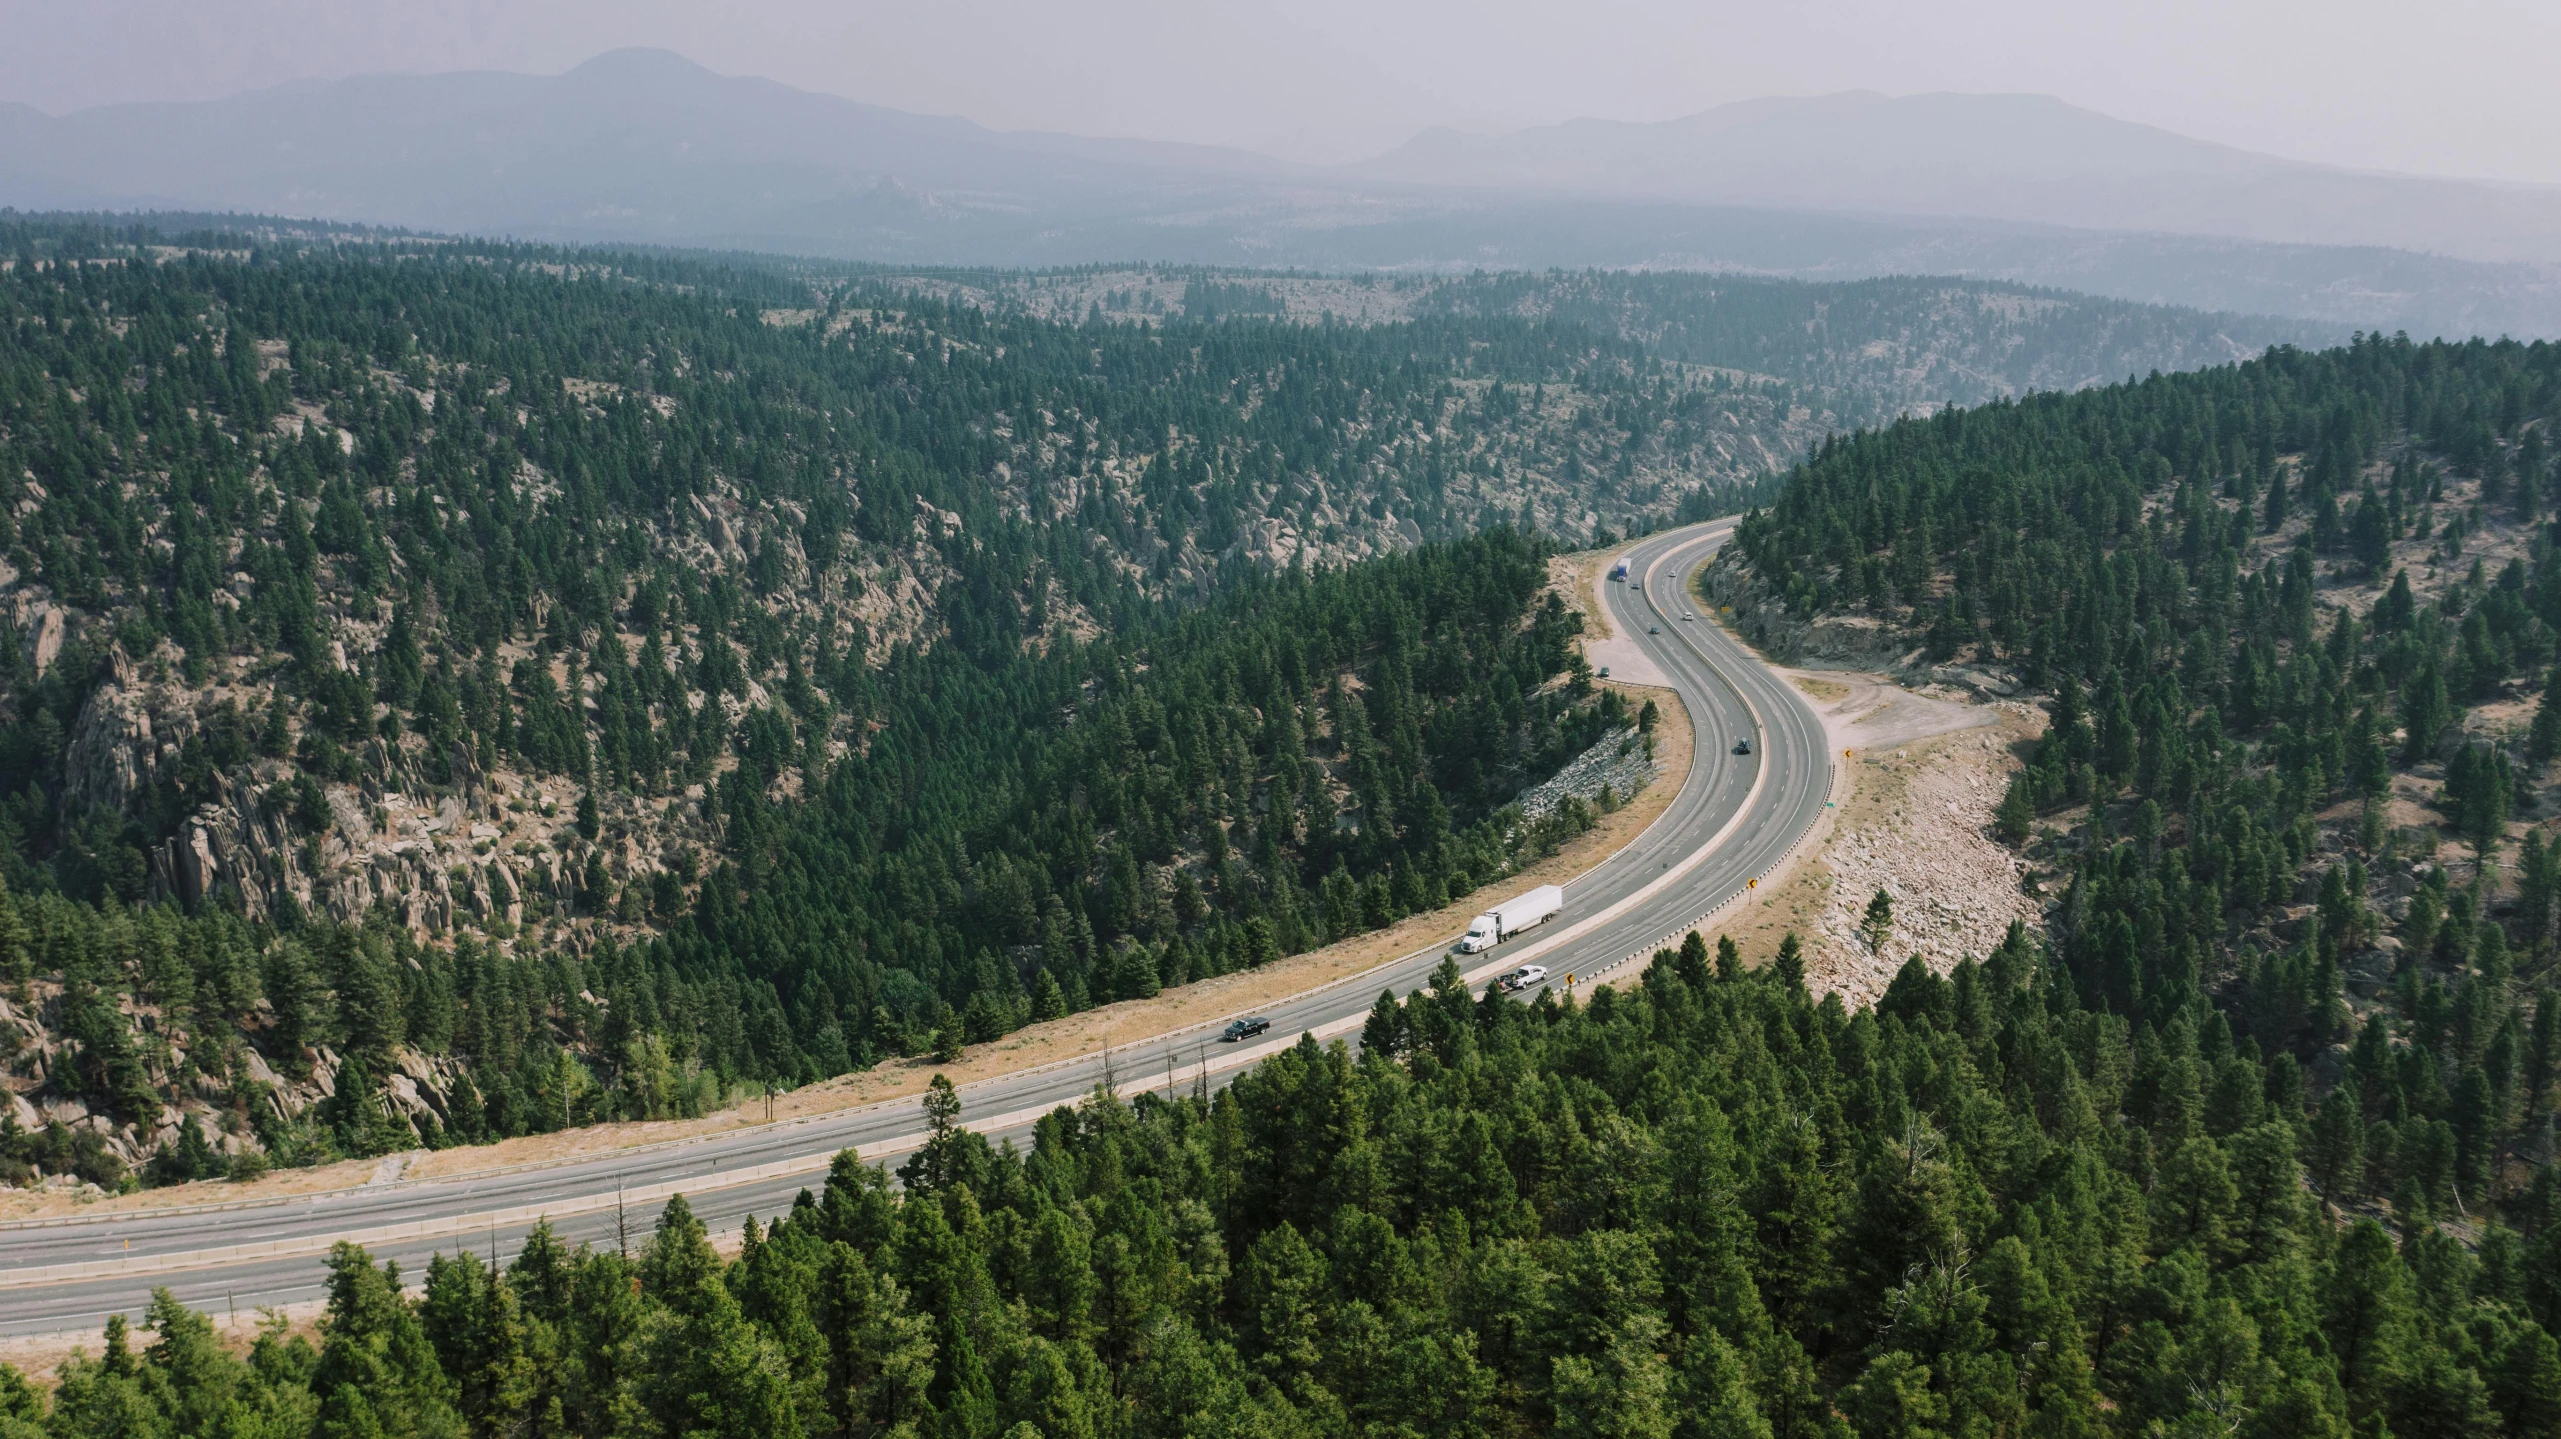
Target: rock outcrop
x=1838, y=641
x=1622, y=764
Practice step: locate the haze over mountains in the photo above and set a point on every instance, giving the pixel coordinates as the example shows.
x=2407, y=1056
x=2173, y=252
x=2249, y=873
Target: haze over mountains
x=2028, y=158
x=644, y=145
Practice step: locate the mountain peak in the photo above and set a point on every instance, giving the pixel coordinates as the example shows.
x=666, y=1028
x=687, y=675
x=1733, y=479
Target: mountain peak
x=642, y=62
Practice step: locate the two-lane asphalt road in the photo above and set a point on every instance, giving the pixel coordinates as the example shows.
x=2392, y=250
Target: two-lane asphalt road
x=1734, y=819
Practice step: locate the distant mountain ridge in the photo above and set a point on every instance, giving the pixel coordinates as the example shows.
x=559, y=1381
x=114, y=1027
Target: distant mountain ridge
x=2022, y=158
x=642, y=142
x=646, y=146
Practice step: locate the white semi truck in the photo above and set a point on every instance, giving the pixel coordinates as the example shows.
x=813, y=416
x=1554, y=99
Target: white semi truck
x=1503, y=921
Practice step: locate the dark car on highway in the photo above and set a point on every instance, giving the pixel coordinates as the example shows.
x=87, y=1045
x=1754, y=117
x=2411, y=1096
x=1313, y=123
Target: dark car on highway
x=1742, y=746
x=1245, y=1028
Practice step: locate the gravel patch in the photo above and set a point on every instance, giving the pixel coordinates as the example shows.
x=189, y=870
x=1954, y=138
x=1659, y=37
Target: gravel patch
x=1924, y=838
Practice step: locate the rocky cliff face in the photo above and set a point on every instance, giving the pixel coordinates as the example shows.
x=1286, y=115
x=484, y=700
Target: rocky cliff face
x=229, y=1094
x=430, y=853
x=1837, y=641
x=479, y=850
x=1844, y=641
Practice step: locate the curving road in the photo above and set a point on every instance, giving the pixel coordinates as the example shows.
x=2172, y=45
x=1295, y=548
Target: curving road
x=1734, y=820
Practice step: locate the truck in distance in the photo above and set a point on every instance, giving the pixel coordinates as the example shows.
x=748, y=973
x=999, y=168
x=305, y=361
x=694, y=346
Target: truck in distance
x=1618, y=572
x=1505, y=920
x=1246, y=1028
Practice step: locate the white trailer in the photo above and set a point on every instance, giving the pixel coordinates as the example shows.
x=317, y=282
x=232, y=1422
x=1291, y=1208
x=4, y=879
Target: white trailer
x=1503, y=921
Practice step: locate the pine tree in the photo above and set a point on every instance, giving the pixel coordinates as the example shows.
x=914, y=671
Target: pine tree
x=679, y=1267
x=2425, y=712
x=471, y=1317
x=1048, y=1001
x=1690, y=960
x=376, y=1372
x=1384, y=1034
x=1877, y=924
x=2015, y=818
x=2394, y=612
x=17, y=963
x=2527, y=1382
x=938, y=1161
x=1789, y=966
x=2366, y=1311
x=2336, y=1155
x=2538, y=889
x=2543, y=738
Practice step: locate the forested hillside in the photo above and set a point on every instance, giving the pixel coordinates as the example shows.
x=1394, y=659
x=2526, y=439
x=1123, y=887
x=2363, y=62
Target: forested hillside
x=1708, y=1206
x=450, y=690
x=457, y=694
x=2257, y=1142
x=1856, y=352
x=2297, y=620
x=1878, y=348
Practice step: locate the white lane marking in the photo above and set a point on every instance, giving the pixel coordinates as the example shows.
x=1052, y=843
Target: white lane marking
x=1665, y=881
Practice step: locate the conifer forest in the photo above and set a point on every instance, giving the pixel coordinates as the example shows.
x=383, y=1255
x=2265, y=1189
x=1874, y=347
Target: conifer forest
x=453, y=691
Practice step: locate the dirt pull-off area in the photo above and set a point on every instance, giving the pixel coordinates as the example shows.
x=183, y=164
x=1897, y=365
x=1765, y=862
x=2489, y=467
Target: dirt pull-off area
x=1579, y=578
x=1924, y=770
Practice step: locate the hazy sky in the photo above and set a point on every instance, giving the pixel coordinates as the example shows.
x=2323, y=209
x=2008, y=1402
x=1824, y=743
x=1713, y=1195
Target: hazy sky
x=2453, y=86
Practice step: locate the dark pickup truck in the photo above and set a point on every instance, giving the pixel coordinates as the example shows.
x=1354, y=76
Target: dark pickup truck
x=1245, y=1028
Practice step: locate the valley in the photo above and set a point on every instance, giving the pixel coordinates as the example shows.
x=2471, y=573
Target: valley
x=632, y=827
x=413, y=652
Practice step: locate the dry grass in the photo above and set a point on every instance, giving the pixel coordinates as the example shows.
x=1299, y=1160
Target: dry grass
x=1791, y=900
x=1577, y=577
x=40, y=1357
x=1821, y=691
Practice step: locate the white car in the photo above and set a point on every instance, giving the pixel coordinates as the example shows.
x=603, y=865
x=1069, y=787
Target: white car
x=1528, y=976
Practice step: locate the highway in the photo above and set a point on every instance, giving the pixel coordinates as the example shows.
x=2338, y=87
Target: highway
x=1735, y=818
